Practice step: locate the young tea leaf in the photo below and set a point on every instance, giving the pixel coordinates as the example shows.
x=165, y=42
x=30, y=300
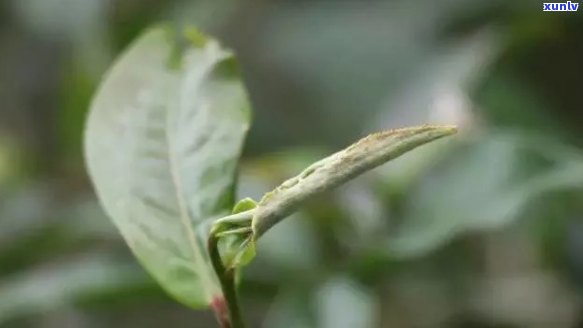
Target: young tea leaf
x=321, y=176
x=237, y=246
x=339, y=168
x=162, y=142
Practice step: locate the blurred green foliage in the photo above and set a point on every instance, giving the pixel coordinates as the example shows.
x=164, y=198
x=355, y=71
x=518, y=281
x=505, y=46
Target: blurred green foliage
x=483, y=231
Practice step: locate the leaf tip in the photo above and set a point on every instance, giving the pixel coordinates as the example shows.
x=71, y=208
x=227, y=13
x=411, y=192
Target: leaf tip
x=448, y=129
x=195, y=36
x=243, y=205
x=436, y=131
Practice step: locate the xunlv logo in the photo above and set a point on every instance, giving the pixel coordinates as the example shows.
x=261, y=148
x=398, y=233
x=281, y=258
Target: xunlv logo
x=562, y=6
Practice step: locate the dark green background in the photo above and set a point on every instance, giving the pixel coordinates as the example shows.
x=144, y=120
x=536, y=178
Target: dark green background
x=483, y=230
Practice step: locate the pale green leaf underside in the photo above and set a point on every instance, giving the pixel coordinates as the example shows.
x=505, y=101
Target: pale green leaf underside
x=162, y=146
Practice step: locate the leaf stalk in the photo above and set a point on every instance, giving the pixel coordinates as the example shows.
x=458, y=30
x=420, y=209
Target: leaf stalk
x=227, y=281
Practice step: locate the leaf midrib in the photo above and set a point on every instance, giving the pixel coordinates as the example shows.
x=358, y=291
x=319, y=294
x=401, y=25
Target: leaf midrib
x=185, y=218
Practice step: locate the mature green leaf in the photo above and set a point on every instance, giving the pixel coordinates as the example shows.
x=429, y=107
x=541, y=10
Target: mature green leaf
x=162, y=143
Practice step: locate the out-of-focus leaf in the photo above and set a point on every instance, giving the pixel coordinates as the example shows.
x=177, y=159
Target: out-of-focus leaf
x=34, y=216
x=162, y=143
x=438, y=93
x=508, y=102
x=338, y=302
x=305, y=76
x=292, y=309
x=291, y=245
x=364, y=210
x=342, y=303
x=485, y=186
x=25, y=210
x=60, y=285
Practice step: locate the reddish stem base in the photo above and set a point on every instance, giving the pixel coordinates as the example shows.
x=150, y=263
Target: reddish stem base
x=221, y=311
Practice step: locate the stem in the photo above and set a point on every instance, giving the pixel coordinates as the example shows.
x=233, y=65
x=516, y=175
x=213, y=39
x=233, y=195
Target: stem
x=227, y=281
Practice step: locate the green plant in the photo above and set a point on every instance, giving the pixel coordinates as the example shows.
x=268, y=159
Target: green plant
x=162, y=144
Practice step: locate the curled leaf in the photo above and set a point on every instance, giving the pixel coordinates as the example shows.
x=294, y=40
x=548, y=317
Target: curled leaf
x=339, y=168
x=321, y=176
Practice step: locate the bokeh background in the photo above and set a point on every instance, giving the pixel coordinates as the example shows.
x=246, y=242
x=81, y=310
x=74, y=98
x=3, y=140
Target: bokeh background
x=481, y=230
